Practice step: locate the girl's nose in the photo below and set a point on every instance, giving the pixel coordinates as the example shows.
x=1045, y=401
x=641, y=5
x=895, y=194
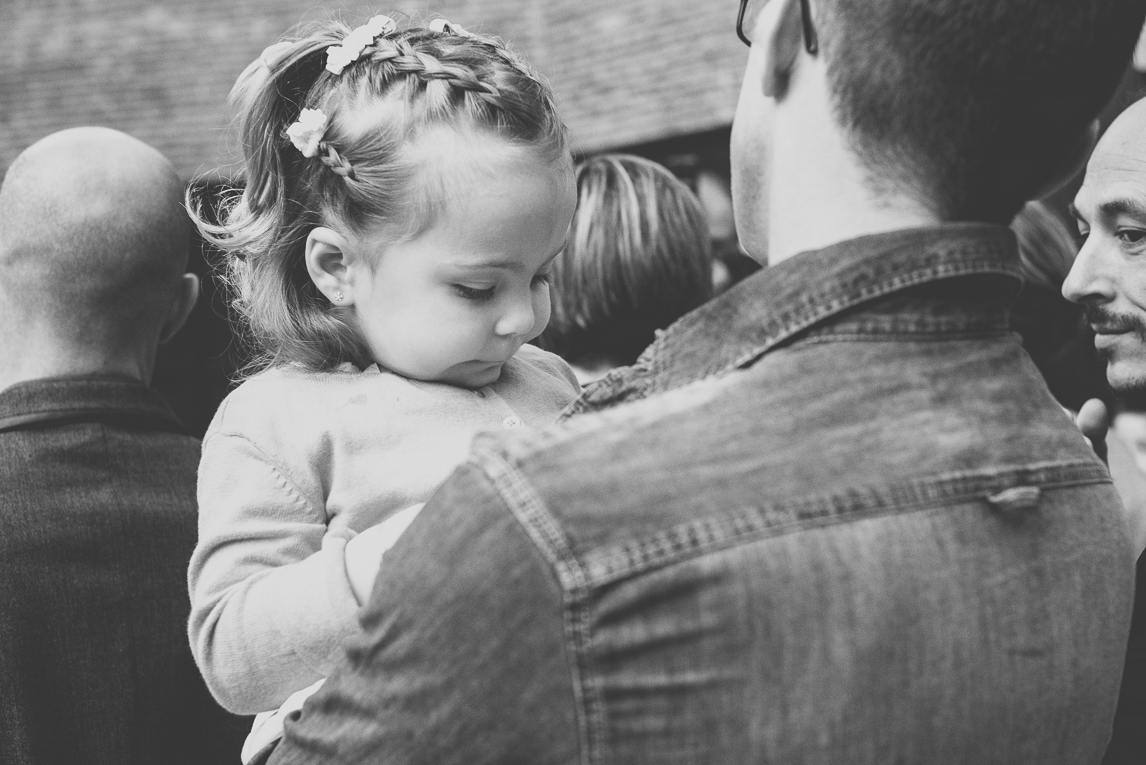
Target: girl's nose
x=517, y=320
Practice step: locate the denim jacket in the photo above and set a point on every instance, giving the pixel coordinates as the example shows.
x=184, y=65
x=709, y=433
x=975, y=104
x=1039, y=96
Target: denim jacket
x=834, y=516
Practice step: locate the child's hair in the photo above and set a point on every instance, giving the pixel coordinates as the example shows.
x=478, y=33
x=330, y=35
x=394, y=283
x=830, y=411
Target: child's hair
x=370, y=171
x=639, y=257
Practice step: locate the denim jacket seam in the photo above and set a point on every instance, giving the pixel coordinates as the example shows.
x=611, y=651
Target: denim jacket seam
x=614, y=382
x=920, y=324
x=547, y=535
x=645, y=378
x=899, y=337
x=813, y=310
x=754, y=522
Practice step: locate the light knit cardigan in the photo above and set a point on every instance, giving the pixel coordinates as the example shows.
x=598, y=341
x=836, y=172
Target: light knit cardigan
x=294, y=464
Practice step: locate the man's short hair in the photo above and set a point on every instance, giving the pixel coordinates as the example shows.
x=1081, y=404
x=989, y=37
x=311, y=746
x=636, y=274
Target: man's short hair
x=972, y=103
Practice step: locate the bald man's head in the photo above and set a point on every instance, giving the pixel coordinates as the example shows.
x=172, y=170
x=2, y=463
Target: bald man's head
x=1109, y=273
x=93, y=237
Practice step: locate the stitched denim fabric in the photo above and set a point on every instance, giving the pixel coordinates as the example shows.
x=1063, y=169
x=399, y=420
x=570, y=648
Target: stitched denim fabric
x=837, y=519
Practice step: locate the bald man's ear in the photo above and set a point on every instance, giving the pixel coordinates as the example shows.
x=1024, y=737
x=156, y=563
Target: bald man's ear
x=780, y=29
x=181, y=308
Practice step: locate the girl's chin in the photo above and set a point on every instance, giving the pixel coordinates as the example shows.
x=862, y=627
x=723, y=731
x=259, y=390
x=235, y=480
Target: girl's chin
x=474, y=374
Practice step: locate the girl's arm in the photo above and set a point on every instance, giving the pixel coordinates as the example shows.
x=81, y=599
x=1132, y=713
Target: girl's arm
x=270, y=598
x=364, y=552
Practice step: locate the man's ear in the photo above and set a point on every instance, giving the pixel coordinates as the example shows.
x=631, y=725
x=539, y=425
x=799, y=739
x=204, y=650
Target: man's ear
x=1073, y=162
x=779, y=28
x=327, y=261
x=185, y=300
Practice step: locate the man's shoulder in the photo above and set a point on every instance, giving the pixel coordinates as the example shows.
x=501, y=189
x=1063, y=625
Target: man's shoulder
x=596, y=433
x=104, y=467
x=802, y=425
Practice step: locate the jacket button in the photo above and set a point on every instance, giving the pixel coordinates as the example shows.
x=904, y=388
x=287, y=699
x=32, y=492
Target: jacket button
x=513, y=421
x=1015, y=499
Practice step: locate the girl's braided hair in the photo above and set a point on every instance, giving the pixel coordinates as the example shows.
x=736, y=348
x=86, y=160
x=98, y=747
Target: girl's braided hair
x=367, y=173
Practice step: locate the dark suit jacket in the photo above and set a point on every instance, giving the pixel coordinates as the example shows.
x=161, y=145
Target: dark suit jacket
x=97, y=524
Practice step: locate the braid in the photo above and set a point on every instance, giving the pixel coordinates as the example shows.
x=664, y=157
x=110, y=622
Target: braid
x=403, y=57
x=466, y=76
x=335, y=161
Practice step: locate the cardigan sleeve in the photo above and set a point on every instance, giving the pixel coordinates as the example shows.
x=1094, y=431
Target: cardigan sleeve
x=270, y=600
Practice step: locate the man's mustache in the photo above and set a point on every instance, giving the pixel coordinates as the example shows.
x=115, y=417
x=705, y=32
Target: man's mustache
x=1103, y=320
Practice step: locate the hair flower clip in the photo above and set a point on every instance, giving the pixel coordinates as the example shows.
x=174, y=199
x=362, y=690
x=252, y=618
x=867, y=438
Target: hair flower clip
x=338, y=57
x=273, y=54
x=307, y=132
x=441, y=26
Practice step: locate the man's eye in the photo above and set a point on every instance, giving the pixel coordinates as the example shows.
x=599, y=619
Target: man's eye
x=1131, y=236
x=474, y=293
x=1083, y=232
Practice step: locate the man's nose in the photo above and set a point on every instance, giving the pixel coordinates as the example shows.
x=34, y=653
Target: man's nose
x=1090, y=280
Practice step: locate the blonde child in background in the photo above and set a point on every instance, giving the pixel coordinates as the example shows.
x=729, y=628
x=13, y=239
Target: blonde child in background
x=405, y=194
x=639, y=257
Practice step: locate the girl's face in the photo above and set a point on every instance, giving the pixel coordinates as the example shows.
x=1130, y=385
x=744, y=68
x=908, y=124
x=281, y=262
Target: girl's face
x=455, y=303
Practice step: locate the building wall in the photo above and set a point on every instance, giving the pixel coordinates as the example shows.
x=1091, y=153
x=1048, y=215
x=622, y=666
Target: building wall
x=626, y=71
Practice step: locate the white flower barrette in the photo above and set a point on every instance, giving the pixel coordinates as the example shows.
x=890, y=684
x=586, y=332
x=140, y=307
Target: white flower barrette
x=273, y=54
x=338, y=57
x=307, y=132
x=441, y=26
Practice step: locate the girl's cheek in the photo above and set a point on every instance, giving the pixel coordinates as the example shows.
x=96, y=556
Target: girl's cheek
x=541, y=311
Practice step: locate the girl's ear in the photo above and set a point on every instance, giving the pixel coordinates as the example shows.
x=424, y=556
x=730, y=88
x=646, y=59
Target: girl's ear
x=327, y=261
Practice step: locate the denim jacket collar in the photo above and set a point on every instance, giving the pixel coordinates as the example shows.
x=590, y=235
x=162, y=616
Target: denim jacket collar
x=735, y=329
x=94, y=398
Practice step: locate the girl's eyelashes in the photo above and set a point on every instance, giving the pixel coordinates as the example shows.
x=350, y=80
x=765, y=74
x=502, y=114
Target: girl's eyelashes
x=473, y=293
x=487, y=293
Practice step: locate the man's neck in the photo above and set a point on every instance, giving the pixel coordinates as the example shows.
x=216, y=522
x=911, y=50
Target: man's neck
x=835, y=213
x=820, y=193
x=31, y=360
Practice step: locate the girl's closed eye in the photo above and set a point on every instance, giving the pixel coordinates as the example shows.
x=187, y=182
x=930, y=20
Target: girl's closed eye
x=474, y=293
x=541, y=280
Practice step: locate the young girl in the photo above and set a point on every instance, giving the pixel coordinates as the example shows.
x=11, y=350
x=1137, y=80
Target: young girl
x=406, y=192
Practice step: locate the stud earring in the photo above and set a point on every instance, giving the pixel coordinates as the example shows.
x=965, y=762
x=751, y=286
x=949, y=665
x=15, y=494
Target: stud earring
x=338, y=297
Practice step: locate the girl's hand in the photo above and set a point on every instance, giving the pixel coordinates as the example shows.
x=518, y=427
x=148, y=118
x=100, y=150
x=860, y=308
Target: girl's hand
x=364, y=552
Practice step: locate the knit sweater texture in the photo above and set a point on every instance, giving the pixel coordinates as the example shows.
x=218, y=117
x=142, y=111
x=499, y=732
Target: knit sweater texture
x=294, y=464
